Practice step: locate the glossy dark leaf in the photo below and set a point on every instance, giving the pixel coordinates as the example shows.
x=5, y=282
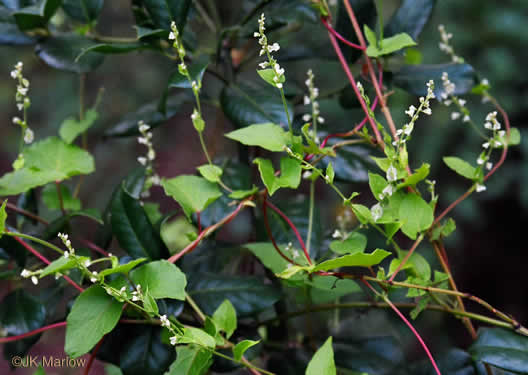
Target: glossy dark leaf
x=133, y=229
x=150, y=113
x=453, y=362
x=61, y=51
x=59, y=224
x=147, y=34
x=502, y=348
x=296, y=209
x=113, y=48
x=10, y=34
x=37, y=15
x=19, y=314
x=137, y=350
x=27, y=201
x=12, y=249
x=238, y=177
x=365, y=11
x=85, y=11
x=196, y=71
x=410, y=18
x=248, y=295
x=351, y=163
x=376, y=355
x=162, y=12
x=246, y=104
x=413, y=78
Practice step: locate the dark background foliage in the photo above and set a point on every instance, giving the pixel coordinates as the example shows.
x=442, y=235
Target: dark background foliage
x=487, y=250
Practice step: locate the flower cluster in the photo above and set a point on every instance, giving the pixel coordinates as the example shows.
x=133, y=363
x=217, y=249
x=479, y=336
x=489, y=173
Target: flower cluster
x=137, y=295
x=448, y=97
x=414, y=113
x=25, y=274
x=147, y=160
x=268, y=49
x=67, y=243
x=22, y=102
x=446, y=47
x=177, y=43
x=311, y=99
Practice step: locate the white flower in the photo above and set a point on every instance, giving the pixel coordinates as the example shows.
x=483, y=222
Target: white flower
x=122, y=290
x=279, y=70
x=462, y=102
x=143, y=127
x=489, y=165
x=264, y=64
x=484, y=82
x=17, y=120
x=321, y=120
x=256, y=34
x=376, y=211
x=29, y=136
x=307, y=117
x=172, y=36
x=411, y=111
x=455, y=116
x=427, y=111
x=279, y=85
x=496, y=126
x=34, y=280
x=93, y=279
x=502, y=133
x=274, y=47
x=20, y=106
x=306, y=100
x=307, y=174
x=408, y=128
x=466, y=118
x=296, y=254
x=14, y=74
x=480, y=188
x=25, y=273
x=392, y=174
x=142, y=140
x=388, y=191
x=22, y=90
x=164, y=321
x=173, y=340
x=151, y=155
x=142, y=160
x=481, y=160
x=66, y=255
x=87, y=263
x=488, y=125
x=486, y=145
x=337, y=234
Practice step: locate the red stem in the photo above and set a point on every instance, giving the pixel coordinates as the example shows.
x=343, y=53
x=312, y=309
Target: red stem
x=3, y=340
x=92, y=356
x=270, y=235
x=339, y=36
x=93, y=246
x=46, y=261
x=206, y=232
x=402, y=317
x=293, y=227
x=409, y=254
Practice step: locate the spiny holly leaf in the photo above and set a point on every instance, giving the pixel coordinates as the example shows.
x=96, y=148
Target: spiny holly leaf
x=193, y=193
x=94, y=313
x=322, y=363
x=47, y=161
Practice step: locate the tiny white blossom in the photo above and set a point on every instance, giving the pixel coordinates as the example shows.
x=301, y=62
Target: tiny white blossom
x=306, y=100
x=307, y=117
x=376, y=211
x=462, y=102
x=427, y=111
x=392, y=174
x=466, y=118
x=484, y=82
x=25, y=273
x=142, y=160
x=321, y=120
x=34, y=280
x=489, y=165
x=264, y=64
x=164, y=321
x=486, y=145
x=455, y=115
x=173, y=340
x=336, y=234
x=411, y=111
x=66, y=254
x=388, y=191
x=480, y=188
x=29, y=136
x=87, y=263
x=17, y=120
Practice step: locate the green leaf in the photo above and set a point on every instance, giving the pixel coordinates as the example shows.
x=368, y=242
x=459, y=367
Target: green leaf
x=241, y=194
x=132, y=227
x=322, y=363
x=50, y=198
x=353, y=260
x=461, y=167
x=410, y=18
x=196, y=71
x=444, y=230
x=415, y=214
x=330, y=174
x=193, y=193
x=225, y=318
x=47, y=161
x=413, y=78
x=163, y=279
x=269, y=136
x=10, y=34
x=355, y=243
x=416, y=263
x=151, y=113
x=247, y=104
x=419, y=175
x=3, y=217
x=248, y=295
x=290, y=174
x=191, y=360
x=377, y=183
x=501, y=348
x=61, y=51
x=113, y=48
x=85, y=11
x=211, y=173
x=122, y=268
x=268, y=74
x=267, y=254
x=362, y=213
x=93, y=314
x=515, y=138
x=325, y=289
x=162, y=12
x=387, y=45
x=37, y=15
x=240, y=348
x=193, y=335
x=60, y=265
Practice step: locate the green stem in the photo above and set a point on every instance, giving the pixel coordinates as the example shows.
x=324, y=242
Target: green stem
x=310, y=216
x=379, y=9
x=35, y=239
x=195, y=307
x=204, y=148
x=285, y=104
